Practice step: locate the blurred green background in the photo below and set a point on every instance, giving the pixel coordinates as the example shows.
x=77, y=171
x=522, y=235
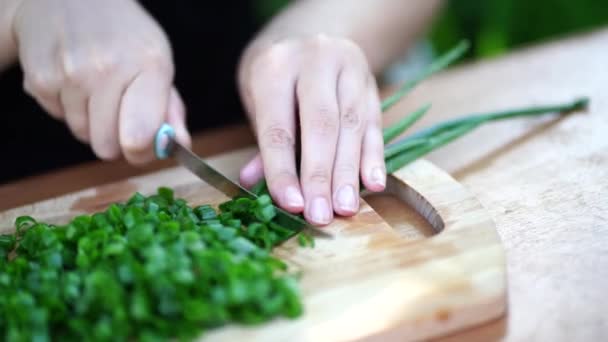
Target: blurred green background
x=496, y=26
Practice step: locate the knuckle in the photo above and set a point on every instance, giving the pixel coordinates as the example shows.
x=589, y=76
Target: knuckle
x=133, y=158
x=274, y=59
x=135, y=144
x=345, y=169
x=349, y=47
x=349, y=44
x=79, y=128
x=157, y=58
x=319, y=176
x=277, y=137
x=355, y=52
x=280, y=178
x=322, y=49
x=350, y=53
x=326, y=122
x=350, y=118
x=105, y=149
x=82, y=69
x=104, y=66
x=283, y=174
x=78, y=75
x=319, y=40
x=75, y=66
x=41, y=83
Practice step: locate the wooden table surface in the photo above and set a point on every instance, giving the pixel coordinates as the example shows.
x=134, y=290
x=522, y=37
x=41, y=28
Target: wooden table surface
x=544, y=181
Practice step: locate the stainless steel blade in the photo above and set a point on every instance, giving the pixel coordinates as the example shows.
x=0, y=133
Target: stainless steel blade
x=224, y=184
x=207, y=173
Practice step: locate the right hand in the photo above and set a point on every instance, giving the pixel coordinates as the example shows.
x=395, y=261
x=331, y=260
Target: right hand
x=105, y=67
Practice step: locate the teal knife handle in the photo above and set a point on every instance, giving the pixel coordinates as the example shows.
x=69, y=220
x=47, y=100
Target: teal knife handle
x=162, y=141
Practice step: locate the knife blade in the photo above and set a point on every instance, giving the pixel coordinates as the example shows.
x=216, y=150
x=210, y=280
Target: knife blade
x=166, y=146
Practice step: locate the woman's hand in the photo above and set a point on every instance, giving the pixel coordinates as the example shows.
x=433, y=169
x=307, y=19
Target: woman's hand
x=105, y=67
x=321, y=90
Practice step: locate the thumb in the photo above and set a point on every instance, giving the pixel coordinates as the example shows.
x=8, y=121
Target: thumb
x=143, y=110
x=176, y=117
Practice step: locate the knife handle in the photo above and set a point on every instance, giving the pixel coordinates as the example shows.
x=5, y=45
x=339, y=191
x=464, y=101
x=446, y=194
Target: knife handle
x=162, y=141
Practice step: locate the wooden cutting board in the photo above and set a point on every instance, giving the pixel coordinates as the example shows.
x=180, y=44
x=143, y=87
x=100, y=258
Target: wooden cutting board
x=369, y=281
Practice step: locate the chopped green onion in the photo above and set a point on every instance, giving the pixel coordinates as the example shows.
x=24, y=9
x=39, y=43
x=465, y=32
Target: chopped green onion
x=150, y=268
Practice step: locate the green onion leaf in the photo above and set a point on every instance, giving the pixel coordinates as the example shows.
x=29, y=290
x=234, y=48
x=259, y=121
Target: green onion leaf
x=439, y=64
x=399, y=127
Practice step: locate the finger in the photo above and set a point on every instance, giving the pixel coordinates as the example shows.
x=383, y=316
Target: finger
x=252, y=172
x=45, y=90
x=272, y=87
x=177, y=118
x=143, y=109
x=42, y=77
x=373, y=168
x=104, y=108
x=319, y=122
x=353, y=102
x=75, y=102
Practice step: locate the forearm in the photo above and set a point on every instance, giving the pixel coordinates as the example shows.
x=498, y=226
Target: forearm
x=382, y=28
x=8, y=46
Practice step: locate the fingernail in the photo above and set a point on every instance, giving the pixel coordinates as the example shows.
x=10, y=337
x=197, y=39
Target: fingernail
x=378, y=176
x=319, y=211
x=346, y=198
x=294, y=198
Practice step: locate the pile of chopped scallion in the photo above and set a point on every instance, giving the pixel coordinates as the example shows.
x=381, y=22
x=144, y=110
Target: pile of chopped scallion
x=151, y=268
x=155, y=268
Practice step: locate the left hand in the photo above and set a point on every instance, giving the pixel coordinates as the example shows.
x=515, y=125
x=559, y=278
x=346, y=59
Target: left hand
x=325, y=83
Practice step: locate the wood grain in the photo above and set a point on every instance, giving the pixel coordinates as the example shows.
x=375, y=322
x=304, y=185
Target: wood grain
x=367, y=281
x=544, y=181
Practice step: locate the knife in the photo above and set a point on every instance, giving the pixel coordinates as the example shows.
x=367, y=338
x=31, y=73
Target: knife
x=166, y=146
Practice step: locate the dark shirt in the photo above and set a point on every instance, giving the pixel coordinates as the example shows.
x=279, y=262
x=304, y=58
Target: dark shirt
x=207, y=39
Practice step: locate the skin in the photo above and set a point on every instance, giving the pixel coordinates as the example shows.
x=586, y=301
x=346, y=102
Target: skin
x=112, y=90
x=311, y=68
